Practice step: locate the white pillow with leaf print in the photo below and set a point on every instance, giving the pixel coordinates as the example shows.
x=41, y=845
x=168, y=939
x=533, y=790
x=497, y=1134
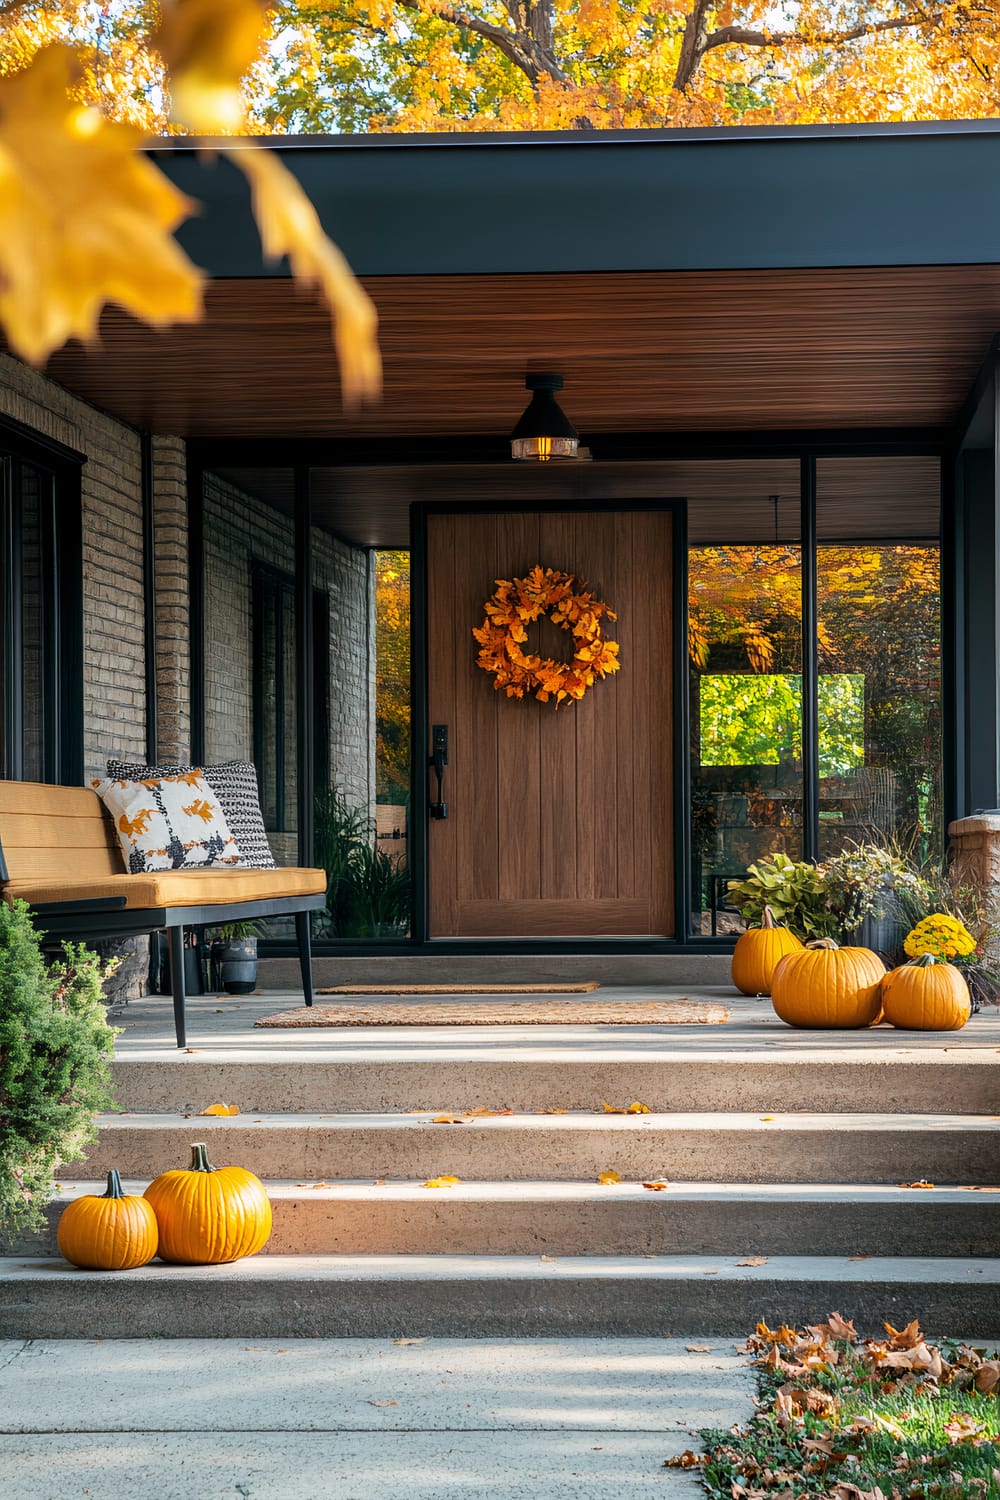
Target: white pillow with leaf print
x=170, y=823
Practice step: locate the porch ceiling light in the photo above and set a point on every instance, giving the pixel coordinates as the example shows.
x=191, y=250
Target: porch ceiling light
x=544, y=430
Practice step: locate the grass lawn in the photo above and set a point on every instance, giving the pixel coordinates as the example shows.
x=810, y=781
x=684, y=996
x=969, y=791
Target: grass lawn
x=894, y=1418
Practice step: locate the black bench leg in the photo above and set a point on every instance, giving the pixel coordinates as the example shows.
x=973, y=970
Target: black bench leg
x=177, y=981
x=304, y=935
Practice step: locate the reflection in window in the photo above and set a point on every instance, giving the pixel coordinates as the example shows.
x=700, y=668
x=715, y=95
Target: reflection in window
x=744, y=646
x=756, y=720
x=880, y=618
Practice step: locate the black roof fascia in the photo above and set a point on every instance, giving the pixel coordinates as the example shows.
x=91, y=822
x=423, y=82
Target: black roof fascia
x=749, y=199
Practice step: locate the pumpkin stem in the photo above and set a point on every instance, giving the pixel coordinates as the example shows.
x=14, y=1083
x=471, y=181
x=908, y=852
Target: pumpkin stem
x=114, y=1186
x=822, y=943
x=767, y=918
x=924, y=961
x=199, y=1158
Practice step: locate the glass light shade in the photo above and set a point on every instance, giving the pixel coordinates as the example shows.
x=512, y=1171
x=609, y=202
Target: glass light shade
x=544, y=431
x=544, y=448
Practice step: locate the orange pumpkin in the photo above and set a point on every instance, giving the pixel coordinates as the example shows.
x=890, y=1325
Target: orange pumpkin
x=926, y=994
x=824, y=986
x=208, y=1215
x=758, y=953
x=113, y=1232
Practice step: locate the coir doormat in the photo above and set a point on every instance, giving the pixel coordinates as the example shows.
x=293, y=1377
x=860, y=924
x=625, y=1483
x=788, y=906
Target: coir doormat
x=552, y=1013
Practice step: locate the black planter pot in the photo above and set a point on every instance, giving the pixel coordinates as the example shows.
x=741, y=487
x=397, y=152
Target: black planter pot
x=235, y=962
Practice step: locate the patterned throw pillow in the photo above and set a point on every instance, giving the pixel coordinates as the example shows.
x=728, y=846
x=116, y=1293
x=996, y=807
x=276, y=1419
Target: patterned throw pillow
x=168, y=823
x=235, y=786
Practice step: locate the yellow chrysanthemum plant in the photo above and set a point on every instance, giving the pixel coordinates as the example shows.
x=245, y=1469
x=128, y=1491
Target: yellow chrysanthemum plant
x=941, y=937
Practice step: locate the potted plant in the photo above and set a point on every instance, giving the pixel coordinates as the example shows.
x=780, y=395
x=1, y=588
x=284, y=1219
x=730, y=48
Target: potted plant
x=795, y=891
x=872, y=890
x=234, y=957
x=55, y=1046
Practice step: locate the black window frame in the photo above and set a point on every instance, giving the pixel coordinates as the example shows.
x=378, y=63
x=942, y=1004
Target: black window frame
x=61, y=572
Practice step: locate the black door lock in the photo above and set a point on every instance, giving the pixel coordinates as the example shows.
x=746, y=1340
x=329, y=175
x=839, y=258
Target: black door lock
x=439, y=759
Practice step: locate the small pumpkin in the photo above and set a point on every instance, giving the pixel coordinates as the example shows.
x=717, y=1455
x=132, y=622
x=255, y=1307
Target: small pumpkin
x=926, y=994
x=113, y=1231
x=824, y=986
x=208, y=1215
x=758, y=952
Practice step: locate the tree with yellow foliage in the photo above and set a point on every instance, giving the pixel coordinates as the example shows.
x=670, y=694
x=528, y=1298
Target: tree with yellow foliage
x=421, y=65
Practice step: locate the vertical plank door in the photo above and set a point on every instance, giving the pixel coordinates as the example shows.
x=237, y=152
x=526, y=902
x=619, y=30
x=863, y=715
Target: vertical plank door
x=560, y=822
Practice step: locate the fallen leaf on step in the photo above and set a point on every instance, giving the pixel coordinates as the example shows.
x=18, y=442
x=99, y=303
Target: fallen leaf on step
x=383, y=1403
x=698, y=1348
x=920, y=1183
x=319, y=1184
x=379, y=1182
x=685, y=1460
x=192, y=1049
x=401, y=1342
x=481, y=1111
x=447, y=1120
x=711, y=1273
x=607, y=1178
x=638, y=1108
x=545, y=1257
x=656, y=1187
x=221, y=1109
x=442, y=1182
x=754, y=1260
x=551, y=1111
x=765, y=1118
x=859, y=1257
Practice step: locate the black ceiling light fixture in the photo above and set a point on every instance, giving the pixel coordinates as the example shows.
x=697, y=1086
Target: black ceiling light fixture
x=544, y=431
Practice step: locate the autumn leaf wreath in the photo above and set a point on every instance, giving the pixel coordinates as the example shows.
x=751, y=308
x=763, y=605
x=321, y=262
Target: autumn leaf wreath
x=516, y=604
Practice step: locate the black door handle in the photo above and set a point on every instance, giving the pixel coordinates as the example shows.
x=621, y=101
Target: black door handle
x=439, y=759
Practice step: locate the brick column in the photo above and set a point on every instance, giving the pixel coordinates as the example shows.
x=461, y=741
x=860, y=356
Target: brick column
x=975, y=852
x=173, y=666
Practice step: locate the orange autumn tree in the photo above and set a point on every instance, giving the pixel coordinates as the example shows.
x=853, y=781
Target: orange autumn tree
x=418, y=65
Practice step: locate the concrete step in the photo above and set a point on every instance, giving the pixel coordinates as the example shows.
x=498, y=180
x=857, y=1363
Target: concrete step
x=502, y=968
x=791, y=1148
x=586, y=1218
x=492, y=1296
x=358, y=1073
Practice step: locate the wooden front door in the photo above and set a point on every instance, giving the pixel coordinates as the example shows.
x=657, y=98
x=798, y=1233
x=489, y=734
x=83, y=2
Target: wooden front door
x=560, y=822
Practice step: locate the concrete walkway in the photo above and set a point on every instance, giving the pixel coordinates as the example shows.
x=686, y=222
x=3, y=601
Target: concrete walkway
x=358, y=1419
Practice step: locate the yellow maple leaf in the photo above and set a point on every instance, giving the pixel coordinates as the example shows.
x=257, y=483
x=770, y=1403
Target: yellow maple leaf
x=208, y=46
x=442, y=1182
x=289, y=226
x=221, y=1109
x=85, y=218
x=607, y=1178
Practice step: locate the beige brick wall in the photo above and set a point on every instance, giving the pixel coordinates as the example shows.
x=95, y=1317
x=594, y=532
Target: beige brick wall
x=173, y=659
x=113, y=641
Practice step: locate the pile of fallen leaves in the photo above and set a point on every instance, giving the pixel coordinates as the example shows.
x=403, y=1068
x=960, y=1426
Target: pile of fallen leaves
x=847, y=1418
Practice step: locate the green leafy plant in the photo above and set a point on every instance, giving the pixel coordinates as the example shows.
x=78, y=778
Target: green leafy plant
x=852, y=1418
x=55, y=1045
x=228, y=931
x=368, y=894
x=796, y=892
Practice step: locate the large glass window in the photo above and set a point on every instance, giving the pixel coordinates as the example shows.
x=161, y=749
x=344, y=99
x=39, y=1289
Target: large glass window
x=745, y=665
x=40, y=579
x=879, y=620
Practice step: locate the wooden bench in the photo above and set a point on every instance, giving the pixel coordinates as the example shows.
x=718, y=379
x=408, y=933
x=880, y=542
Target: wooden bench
x=59, y=853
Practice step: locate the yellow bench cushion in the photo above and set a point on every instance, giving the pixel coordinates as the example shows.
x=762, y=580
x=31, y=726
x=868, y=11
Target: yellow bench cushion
x=212, y=885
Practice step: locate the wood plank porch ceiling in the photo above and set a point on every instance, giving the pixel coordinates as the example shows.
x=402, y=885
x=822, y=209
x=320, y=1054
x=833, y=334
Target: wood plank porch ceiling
x=640, y=351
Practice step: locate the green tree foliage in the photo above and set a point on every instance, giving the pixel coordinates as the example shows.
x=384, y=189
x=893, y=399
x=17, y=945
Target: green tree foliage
x=55, y=1045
